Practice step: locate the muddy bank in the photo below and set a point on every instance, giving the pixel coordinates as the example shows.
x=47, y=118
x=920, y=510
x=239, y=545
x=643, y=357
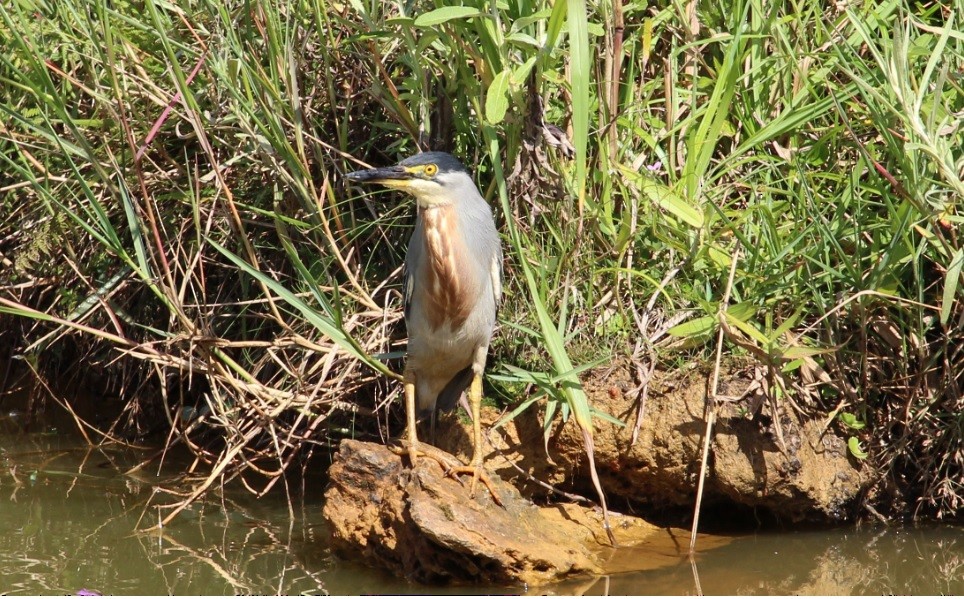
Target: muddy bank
x=798, y=468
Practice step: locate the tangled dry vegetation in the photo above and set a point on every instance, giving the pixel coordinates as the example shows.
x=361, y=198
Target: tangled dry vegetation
x=181, y=263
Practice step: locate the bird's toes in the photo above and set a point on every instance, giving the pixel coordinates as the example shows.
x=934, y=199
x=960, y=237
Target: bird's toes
x=480, y=475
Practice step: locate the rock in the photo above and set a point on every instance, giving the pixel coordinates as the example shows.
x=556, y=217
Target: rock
x=424, y=526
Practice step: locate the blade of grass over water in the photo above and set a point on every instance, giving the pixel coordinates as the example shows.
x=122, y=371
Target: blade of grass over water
x=551, y=339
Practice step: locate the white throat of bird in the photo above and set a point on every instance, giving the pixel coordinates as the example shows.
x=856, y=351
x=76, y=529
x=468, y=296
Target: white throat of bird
x=428, y=194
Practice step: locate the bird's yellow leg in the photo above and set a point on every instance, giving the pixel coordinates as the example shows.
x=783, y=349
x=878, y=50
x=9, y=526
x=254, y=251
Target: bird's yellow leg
x=409, y=445
x=410, y=416
x=476, y=467
x=475, y=400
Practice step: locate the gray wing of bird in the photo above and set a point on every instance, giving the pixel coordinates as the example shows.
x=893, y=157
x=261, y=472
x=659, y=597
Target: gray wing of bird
x=413, y=257
x=496, y=274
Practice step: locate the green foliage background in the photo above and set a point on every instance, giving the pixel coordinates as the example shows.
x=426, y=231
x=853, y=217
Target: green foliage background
x=173, y=218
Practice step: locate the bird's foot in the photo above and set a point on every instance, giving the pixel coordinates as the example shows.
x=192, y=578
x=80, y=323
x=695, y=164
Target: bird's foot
x=404, y=447
x=450, y=465
x=478, y=474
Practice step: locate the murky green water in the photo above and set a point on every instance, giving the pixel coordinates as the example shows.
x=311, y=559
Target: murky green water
x=68, y=516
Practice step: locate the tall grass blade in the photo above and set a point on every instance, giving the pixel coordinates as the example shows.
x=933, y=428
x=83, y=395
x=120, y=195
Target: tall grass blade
x=552, y=340
x=580, y=68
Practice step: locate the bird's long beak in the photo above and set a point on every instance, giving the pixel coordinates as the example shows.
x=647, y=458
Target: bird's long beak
x=394, y=176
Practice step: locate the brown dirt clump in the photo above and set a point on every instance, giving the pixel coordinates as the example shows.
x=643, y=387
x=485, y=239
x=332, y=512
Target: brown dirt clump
x=812, y=477
x=425, y=526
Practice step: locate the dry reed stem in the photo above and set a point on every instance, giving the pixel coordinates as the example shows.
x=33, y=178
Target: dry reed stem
x=711, y=402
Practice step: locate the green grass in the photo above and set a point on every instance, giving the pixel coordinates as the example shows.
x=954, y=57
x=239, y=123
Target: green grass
x=211, y=240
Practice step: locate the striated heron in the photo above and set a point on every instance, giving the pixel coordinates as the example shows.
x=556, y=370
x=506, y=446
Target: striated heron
x=453, y=283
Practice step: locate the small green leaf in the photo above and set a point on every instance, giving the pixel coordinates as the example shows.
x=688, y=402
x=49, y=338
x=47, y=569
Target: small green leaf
x=742, y=310
x=889, y=285
x=446, y=13
x=854, y=446
x=796, y=352
x=400, y=22
x=496, y=98
x=521, y=73
x=851, y=421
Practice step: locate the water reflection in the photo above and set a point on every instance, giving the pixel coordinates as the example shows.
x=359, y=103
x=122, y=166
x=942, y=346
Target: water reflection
x=870, y=561
x=69, y=516
x=69, y=521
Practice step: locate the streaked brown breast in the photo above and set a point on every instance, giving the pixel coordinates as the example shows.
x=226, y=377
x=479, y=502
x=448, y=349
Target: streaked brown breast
x=449, y=287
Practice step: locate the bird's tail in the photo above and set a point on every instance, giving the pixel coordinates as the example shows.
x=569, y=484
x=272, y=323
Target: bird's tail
x=452, y=391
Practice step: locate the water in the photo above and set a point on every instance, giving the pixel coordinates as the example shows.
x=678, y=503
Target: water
x=69, y=516
x=926, y=560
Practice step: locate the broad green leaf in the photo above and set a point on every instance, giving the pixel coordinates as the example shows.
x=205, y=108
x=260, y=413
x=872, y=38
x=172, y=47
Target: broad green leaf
x=797, y=352
x=523, y=38
x=719, y=257
x=750, y=330
x=523, y=22
x=951, y=281
x=669, y=200
x=742, y=310
x=705, y=325
x=696, y=327
x=496, y=98
x=788, y=324
x=445, y=14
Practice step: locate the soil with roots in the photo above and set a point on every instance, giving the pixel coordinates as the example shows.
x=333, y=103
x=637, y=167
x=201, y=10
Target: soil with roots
x=794, y=467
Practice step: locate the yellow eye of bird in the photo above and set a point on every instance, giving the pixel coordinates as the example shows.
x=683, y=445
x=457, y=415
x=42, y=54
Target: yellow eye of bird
x=430, y=170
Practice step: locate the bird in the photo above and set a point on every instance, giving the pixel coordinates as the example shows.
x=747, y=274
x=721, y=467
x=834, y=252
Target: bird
x=453, y=286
